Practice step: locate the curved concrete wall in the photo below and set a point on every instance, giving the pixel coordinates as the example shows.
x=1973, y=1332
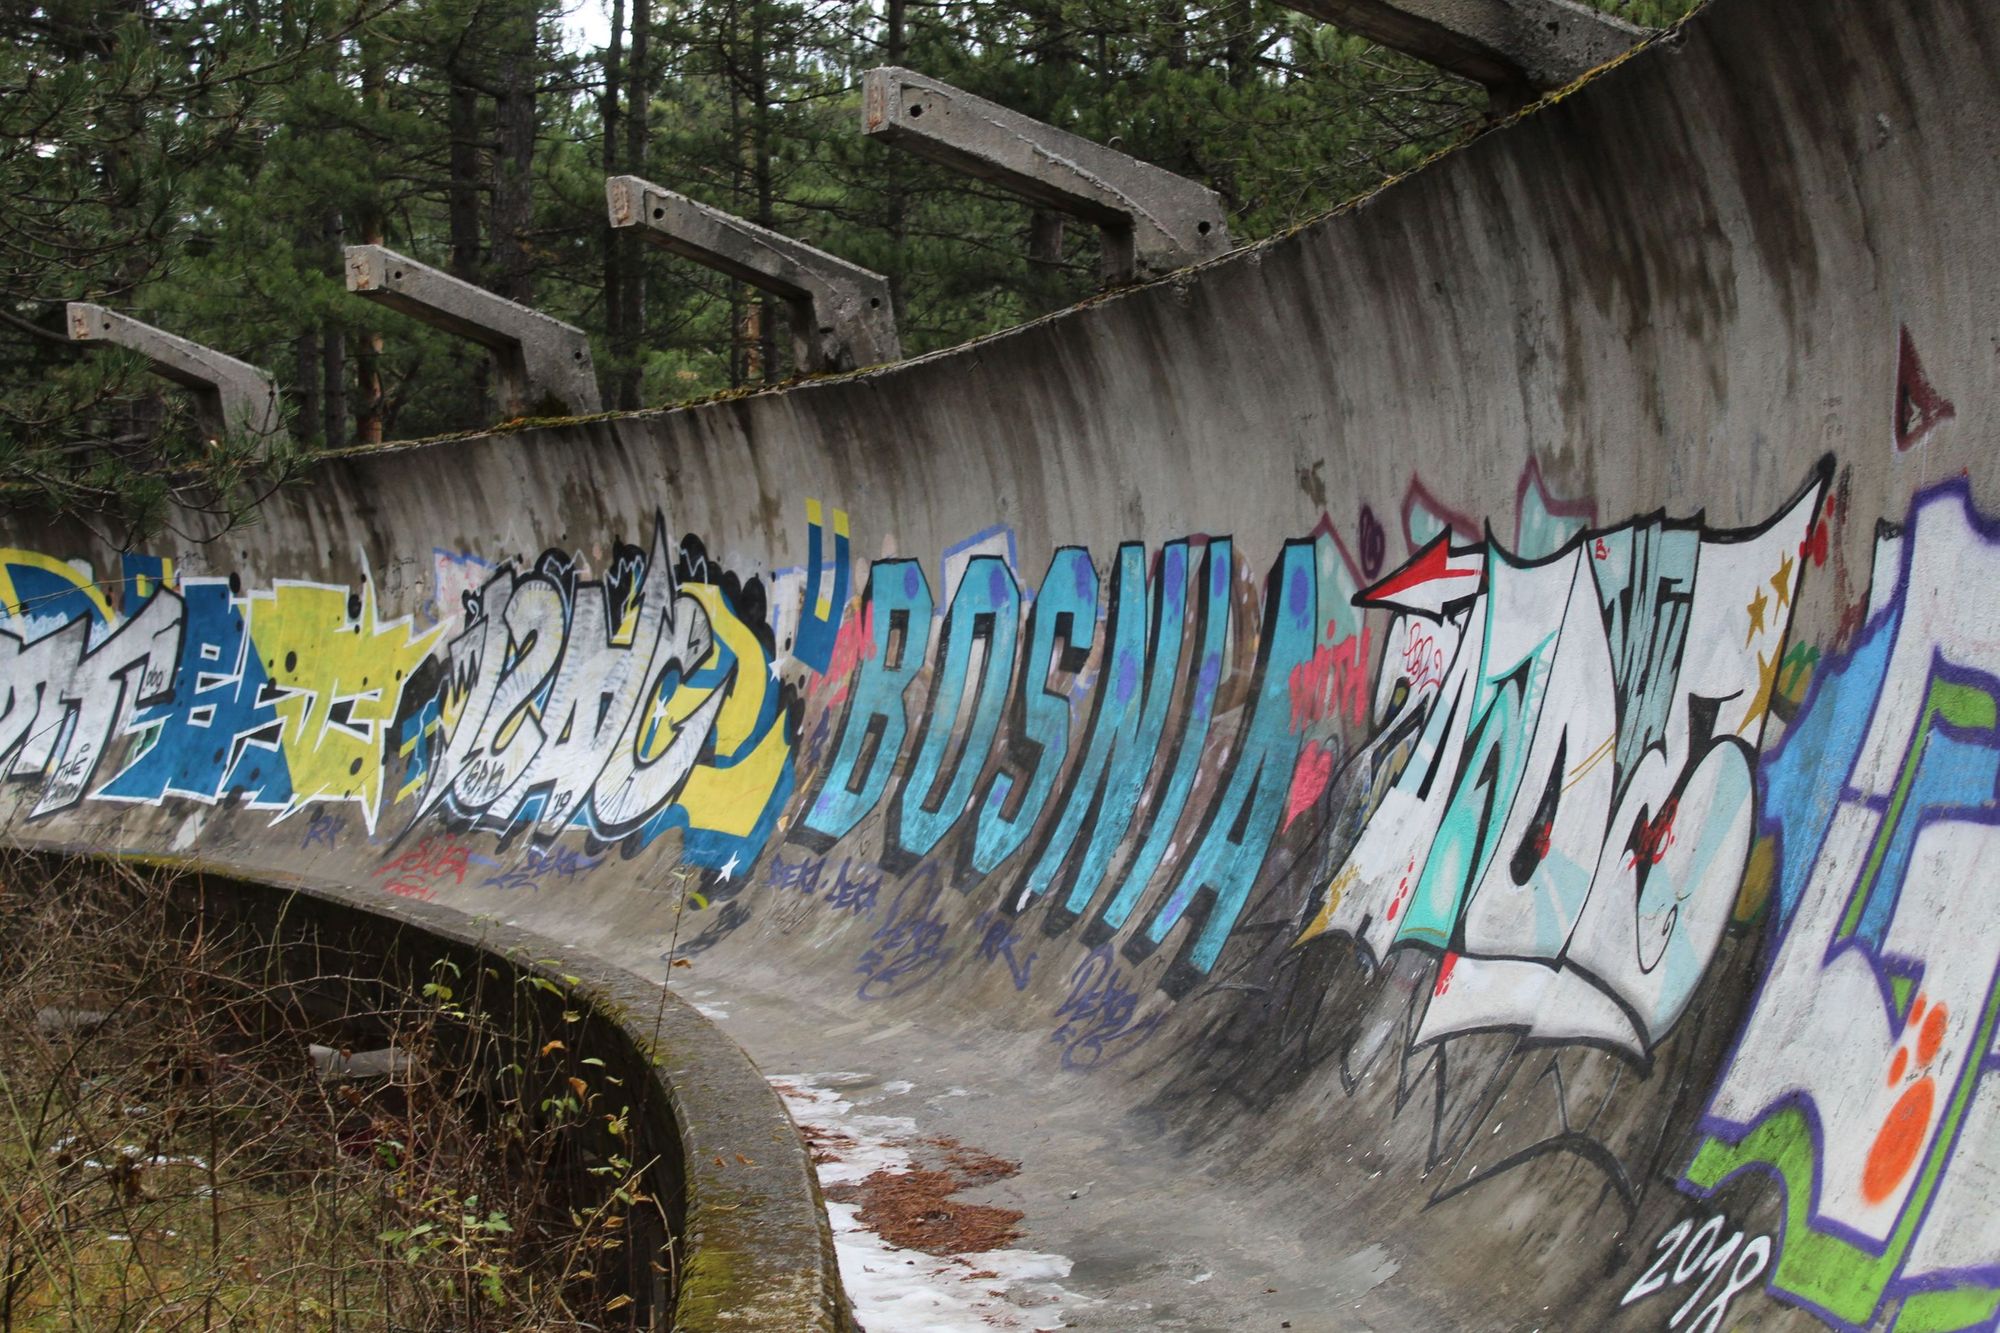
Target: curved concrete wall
x=1480, y=713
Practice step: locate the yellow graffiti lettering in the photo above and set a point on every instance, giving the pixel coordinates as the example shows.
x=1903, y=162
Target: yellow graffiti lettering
x=18, y=601
x=337, y=680
x=729, y=796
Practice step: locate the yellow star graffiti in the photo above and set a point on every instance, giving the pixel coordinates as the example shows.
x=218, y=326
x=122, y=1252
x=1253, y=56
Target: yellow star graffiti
x=1781, y=582
x=1756, y=607
x=1760, y=702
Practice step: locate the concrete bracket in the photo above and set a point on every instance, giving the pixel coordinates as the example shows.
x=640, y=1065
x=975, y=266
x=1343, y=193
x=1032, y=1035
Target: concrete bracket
x=545, y=366
x=1516, y=48
x=1153, y=221
x=230, y=395
x=841, y=314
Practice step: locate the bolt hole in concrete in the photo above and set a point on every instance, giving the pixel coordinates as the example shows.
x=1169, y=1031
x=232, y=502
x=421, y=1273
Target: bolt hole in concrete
x=1201, y=227
x=874, y=303
x=659, y=212
x=397, y=275
x=916, y=111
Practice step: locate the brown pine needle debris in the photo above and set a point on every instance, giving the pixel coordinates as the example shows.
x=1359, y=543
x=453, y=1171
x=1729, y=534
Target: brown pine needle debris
x=914, y=1209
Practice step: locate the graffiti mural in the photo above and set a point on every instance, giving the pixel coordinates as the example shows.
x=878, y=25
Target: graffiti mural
x=72, y=686
x=624, y=706
x=555, y=696
x=995, y=757
x=334, y=677
x=217, y=733
x=1500, y=916
x=283, y=697
x=1557, y=790
x=1475, y=827
x=1571, y=741
x=824, y=598
x=1858, y=1081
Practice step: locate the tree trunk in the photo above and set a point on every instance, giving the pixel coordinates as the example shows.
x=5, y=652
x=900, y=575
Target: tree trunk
x=612, y=239
x=740, y=354
x=639, y=81
x=754, y=363
x=370, y=409
x=333, y=367
x=462, y=188
x=760, y=168
x=514, y=158
x=1046, y=287
x=1045, y=257
x=305, y=377
x=333, y=351
x=897, y=223
x=333, y=347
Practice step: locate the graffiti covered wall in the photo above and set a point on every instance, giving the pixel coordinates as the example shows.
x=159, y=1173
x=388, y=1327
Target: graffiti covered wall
x=1500, y=685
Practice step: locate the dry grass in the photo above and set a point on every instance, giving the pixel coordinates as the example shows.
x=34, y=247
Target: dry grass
x=172, y=1158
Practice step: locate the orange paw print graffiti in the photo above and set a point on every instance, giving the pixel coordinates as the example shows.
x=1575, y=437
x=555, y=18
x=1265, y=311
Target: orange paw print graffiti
x=1900, y=1140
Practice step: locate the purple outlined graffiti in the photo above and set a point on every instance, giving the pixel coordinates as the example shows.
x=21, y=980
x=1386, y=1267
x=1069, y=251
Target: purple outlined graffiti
x=1857, y=1083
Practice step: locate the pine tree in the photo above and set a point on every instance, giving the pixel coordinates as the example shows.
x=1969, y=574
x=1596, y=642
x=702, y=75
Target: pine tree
x=203, y=164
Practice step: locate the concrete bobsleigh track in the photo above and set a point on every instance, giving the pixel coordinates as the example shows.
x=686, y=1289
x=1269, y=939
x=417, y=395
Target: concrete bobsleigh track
x=1435, y=772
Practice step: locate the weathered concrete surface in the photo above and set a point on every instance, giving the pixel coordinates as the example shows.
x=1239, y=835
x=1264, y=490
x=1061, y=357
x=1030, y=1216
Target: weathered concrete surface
x=230, y=395
x=544, y=364
x=1463, y=736
x=841, y=313
x=1153, y=221
x=1516, y=48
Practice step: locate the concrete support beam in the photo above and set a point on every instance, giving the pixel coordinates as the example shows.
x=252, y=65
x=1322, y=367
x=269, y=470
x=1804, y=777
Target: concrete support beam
x=230, y=395
x=1516, y=48
x=841, y=316
x=1153, y=221
x=545, y=367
